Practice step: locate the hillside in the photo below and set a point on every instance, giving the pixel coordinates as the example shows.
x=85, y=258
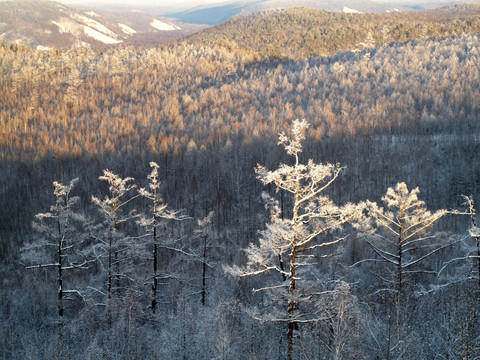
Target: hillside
x=403, y=112
x=300, y=33
x=214, y=14
x=160, y=241
x=48, y=24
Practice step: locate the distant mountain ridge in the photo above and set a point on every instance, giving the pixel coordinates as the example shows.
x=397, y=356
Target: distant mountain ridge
x=47, y=24
x=216, y=14
x=300, y=33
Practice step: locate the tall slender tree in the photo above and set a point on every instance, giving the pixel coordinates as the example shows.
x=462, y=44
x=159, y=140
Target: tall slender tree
x=113, y=240
x=60, y=244
x=402, y=240
x=204, y=232
x=158, y=211
x=293, y=242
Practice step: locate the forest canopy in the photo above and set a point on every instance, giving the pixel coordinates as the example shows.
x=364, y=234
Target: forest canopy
x=393, y=98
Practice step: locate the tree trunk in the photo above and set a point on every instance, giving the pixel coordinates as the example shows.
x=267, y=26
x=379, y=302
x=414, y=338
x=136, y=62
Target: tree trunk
x=478, y=265
x=291, y=303
x=109, y=282
x=155, y=253
x=204, y=269
x=155, y=280
x=60, y=275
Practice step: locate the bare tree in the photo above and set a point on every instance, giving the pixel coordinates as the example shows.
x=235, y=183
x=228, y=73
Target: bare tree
x=401, y=239
x=474, y=231
x=158, y=211
x=113, y=240
x=60, y=245
x=204, y=232
x=302, y=239
x=468, y=338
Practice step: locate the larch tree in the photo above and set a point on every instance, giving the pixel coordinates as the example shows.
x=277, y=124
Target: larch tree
x=467, y=268
x=204, y=233
x=401, y=238
x=292, y=244
x=158, y=212
x=113, y=241
x=407, y=224
x=61, y=241
x=474, y=232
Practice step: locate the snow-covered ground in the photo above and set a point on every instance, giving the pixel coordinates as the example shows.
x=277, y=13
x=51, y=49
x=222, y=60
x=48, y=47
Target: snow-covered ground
x=94, y=25
x=99, y=36
x=66, y=26
x=127, y=29
x=91, y=13
x=350, y=10
x=159, y=25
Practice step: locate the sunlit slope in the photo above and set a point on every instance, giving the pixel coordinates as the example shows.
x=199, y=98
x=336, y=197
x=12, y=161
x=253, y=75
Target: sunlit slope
x=214, y=14
x=194, y=97
x=49, y=24
x=300, y=33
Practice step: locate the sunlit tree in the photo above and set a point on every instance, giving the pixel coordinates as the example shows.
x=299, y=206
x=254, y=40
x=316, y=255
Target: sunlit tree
x=291, y=245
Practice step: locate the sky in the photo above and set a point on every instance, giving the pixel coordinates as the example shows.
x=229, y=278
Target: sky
x=192, y=3
x=186, y=4
x=150, y=2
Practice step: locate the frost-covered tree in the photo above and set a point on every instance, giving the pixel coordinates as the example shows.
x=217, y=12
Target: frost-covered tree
x=158, y=212
x=464, y=270
x=61, y=241
x=113, y=242
x=474, y=231
x=401, y=238
x=402, y=232
x=204, y=233
x=293, y=243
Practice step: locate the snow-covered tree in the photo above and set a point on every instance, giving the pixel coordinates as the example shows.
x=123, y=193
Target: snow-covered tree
x=293, y=243
x=113, y=242
x=474, y=231
x=61, y=241
x=204, y=232
x=400, y=236
x=464, y=270
x=158, y=211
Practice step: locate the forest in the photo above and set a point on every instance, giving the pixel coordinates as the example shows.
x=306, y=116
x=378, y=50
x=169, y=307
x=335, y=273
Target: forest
x=233, y=197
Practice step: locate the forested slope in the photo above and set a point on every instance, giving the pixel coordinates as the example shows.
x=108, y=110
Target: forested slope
x=401, y=112
x=300, y=33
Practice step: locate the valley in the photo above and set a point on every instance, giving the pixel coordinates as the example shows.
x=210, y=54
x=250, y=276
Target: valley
x=164, y=199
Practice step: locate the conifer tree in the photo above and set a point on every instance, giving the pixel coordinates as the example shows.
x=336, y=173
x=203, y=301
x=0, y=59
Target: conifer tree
x=291, y=244
x=113, y=241
x=158, y=211
x=402, y=240
x=61, y=241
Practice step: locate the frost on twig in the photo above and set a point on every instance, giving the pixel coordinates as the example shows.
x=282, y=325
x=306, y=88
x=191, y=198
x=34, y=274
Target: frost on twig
x=291, y=246
x=60, y=243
